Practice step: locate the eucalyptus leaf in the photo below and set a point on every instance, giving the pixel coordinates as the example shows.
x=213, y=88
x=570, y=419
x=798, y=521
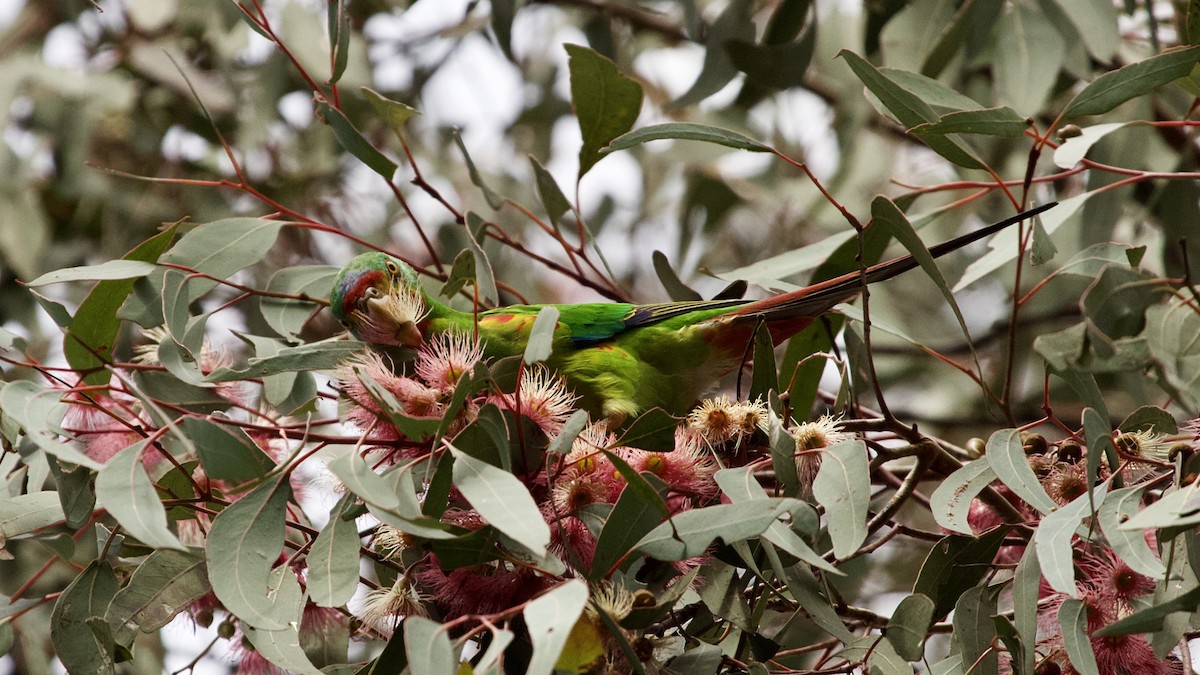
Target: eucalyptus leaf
x=124, y=489
x=691, y=532
x=1115, y=87
x=1073, y=621
x=909, y=625
x=24, y=513
x=1006, y=455
x=111, y=270
x=1130, y=545
x=1026, y=589
x=686, y=131
x=1073, y=150
x=631, y=518
x=351, y=139
x=549, y=619
x=998, y=121
x=428, y=647
x=38, y=410
x=166, y=583
x=333, y=558
x=282, y=646
x=1028, y=66
x=1053, y=540
x=541, y=335
x=243, y=548
x=606, y=102
x=955, y=564
x=394, y=113
x=288, y=316
x=503, y=500
x=951, y=501
x=77, y=646
x=843, y=487
x=734, y=23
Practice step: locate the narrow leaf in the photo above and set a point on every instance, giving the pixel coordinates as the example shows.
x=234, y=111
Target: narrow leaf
x=843, y=487
x=606, y=102
x=166, y=583
x=678, y=290
x=1072, y=619
x=502, y=500
x=1098, y=435
x=541, y=336
x=333, y=558
x=124, y=489
x=687, y=132
x=553, y=199
x=909, y=109
x=690, y=533
x=112, y=269
x=493, y=199
x=338, y=20
x=1001, y=121
x=1053, y=540
x=243, y=547
x=1007, y=457
x=885, y=213
x=1026, y=588
x=326, y=355
x=950, y=503
x=485, y=279
x=352, y=141
x=1115, y=87
x=1073, y=150
x=1130, y=545
x=1151, y=619
x=549, y=619
x=428, y=647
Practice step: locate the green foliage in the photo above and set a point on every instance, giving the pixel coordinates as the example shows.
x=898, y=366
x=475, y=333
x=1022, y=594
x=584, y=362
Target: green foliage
x=177, y=402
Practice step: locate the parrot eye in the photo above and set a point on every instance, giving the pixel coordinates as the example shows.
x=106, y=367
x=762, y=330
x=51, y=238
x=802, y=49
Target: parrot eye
x=392, y=267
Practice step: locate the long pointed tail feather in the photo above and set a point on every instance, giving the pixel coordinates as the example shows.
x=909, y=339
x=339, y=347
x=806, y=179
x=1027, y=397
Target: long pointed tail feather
x=818, y=298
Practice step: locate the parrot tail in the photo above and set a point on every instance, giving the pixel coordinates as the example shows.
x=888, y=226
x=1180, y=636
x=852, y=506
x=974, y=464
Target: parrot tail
x=814, y=300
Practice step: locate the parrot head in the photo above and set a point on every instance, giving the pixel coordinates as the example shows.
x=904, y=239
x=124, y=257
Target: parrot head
x=378, y=298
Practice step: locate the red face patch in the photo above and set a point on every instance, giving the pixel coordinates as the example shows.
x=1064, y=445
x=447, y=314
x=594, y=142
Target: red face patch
x=355, y=294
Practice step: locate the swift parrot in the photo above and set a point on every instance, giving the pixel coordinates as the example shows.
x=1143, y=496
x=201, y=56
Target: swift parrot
x=620, y=359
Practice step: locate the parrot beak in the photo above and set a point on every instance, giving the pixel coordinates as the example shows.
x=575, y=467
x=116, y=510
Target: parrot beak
x=407, y=335
x=394, y=323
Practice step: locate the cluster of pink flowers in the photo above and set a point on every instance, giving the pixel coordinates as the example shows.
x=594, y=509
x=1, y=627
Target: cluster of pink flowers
x=106, y=421
x=1108, y=587
x=563, y=485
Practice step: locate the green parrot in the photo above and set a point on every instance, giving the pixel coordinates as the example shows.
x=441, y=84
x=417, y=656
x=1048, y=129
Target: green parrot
x=620, y=359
